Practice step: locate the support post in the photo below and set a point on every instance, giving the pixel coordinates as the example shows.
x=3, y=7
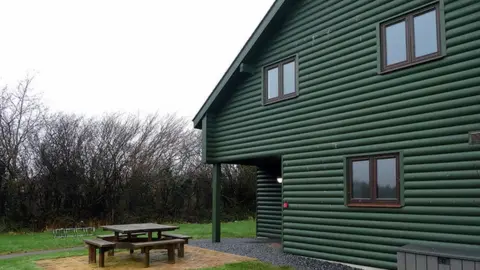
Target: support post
x=216, y=202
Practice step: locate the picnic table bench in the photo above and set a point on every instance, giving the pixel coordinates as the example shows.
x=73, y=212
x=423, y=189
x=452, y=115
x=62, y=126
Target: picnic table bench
x=170, y=245
x=126, y=237
x=102, y=245
x=177, y=236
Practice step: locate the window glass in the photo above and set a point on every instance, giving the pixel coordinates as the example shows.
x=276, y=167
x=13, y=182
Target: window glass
x=396, y=43
x=272, y=75
x=289, y=78
x=387, y=178
x=361, y=179
x=425, y=31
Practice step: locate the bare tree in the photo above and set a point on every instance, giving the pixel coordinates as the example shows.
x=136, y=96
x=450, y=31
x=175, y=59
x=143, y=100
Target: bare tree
x=58, y=168
x=21, y=116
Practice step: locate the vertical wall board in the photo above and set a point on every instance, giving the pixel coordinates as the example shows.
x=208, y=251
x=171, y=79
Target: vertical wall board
x=455, y=264
x=432, y=263
x=421, y=262
x=401, y=261
x=477, y=265
x=468, y=265
x=443, y=267
x=410, y=261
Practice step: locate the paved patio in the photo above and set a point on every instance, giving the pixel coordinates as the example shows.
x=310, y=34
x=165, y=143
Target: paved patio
x=195, y=257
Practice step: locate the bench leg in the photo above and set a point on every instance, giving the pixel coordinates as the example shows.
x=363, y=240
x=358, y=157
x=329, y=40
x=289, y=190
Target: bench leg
x=181, y=250
x=171, y=253
x=147, y=257
x=131, y=251
x=111, y=252
x=92, y=254
x=101, y=257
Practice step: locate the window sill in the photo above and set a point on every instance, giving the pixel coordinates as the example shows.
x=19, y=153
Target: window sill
x=410, y=65
x=379, y=205
x=276, y=100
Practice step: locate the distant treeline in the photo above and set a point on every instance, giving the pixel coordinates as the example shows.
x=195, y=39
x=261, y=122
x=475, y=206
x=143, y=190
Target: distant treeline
x=61, y=169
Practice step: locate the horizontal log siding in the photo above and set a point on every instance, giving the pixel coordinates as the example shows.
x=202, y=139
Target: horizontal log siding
x=345, y=108
x=269, y=205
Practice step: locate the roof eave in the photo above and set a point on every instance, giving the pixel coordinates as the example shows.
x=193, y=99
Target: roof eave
x=251, y=42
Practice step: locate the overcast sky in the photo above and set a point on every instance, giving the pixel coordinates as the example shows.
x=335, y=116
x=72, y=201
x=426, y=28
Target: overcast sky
x=139, y=56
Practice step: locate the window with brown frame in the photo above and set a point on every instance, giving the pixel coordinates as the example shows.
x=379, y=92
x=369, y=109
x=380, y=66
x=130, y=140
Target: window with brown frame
x=374, y=180
x=280, y=81
x=411, y=39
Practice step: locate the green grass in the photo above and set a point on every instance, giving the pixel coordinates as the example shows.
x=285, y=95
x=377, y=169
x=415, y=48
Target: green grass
x=23, y=242
x=239, y=229
x=28, y=262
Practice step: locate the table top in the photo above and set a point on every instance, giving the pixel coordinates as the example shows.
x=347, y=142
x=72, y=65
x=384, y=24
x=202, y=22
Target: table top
x=140, y=227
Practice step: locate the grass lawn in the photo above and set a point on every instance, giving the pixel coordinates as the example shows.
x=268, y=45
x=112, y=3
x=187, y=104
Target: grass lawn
x=28, y=262
x=22, y=242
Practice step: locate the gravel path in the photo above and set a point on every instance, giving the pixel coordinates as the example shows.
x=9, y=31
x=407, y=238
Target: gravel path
x=267, y=251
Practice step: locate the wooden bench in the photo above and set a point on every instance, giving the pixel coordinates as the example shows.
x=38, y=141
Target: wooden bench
x=122, y=236
x=102, y=246
x=177, y=236
x=170, y=245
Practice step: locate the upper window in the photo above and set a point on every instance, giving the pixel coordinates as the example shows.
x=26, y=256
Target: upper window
x=374, y=181
x=280, y=80
x=411, y=39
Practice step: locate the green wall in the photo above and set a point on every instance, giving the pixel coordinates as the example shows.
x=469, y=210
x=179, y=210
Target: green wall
x=345, y=108
x=269, y=204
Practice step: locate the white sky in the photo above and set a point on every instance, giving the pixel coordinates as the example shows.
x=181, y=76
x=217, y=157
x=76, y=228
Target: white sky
x=138, y=56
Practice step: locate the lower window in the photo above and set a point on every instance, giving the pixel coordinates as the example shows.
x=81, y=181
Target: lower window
x=374, y=180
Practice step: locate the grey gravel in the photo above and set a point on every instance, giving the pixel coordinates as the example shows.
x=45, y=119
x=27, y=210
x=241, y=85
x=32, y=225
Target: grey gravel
x=267, y=251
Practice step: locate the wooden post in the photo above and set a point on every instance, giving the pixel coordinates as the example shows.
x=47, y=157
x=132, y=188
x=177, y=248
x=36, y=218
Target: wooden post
x=92, y=254
x=147, y=257
x=116, y=236
x=171, y=253
x=181, y=250
x=149, y=236
x=101, y=257
x=217, y=173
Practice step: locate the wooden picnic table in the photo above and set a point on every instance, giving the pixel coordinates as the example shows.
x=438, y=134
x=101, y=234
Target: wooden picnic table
x=148, y=228
x=131, y=241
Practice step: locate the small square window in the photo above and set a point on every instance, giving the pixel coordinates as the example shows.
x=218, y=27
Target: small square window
x=280, y=81
x=373, y=181
x=410, y=39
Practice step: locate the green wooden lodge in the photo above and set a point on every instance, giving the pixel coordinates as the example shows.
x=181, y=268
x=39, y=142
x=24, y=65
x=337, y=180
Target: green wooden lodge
x=368, y=111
